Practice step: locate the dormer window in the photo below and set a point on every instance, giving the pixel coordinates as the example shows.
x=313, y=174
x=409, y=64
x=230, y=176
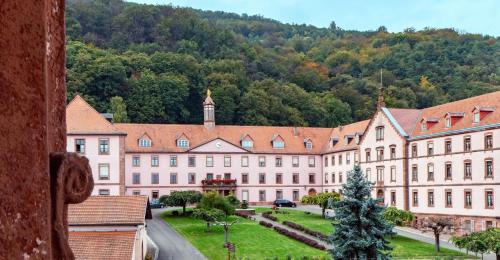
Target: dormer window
x=247, y=144
x=427, y=123
x=448, y=122
x=144, y=142
x=278, y=144
x=348, y=138
x=246, y=141
x=423, y=126
x=309, y=145
x=477, y=117
x=182, y=143
x=452, y=118
x=333, y=141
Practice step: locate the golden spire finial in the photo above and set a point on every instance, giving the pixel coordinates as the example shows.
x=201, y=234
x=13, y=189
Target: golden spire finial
x=209, y=93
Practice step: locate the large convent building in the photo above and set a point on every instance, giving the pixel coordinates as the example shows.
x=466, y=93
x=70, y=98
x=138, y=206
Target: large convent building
x=442, y=160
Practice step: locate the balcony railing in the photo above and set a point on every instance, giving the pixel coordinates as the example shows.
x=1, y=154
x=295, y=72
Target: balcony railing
x=219, y=184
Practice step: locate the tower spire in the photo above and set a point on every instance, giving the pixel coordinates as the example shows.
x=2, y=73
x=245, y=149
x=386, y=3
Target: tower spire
x=380, y=101
x=209, y=111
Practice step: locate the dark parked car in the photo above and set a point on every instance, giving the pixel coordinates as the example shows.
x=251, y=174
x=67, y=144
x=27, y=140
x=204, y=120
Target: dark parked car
x=156, y=204
x=284, y=203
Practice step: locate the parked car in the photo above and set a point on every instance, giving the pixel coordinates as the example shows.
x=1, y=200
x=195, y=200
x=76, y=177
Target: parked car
x=284, y=203
x=156, y=204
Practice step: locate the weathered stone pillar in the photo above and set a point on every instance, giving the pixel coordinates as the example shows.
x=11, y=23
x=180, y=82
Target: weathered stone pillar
x=34, y=192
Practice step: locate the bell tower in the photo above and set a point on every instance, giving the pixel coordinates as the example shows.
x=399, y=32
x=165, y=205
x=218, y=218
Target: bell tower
x=209, y=111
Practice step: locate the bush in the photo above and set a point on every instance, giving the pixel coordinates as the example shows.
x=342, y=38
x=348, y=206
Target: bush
x=269, y=216
x=244, y=204
x=303, y=239
x=398, y=217
x=175, y=213
x=306, y=230
x=309, y=200
x=243, y=214
x=265, y=224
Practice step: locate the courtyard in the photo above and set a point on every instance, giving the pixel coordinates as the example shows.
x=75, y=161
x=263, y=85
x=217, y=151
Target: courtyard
x=254, y=241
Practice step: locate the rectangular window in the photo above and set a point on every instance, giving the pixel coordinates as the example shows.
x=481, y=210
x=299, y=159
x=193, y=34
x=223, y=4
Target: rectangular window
x=476, y=117
x=103, y=171
x=278, y=161
x=295, y=161
x=279, y=194
x=103, y=146
x=414, y=173
x=379, y=130
x=227, y=160
x=467, y=146
x=192, y=161
x=312, y=161
x=279, y=178
x=488, y=141
x=227, y=176
x=244, y=161
x=80, y=146
x=468, y=199
x=155, y=194
x=295, y=195
x=326, y=161
x=414, y=151
x=467, y=170
x=262, y=161
x=380, y=154
x=155, y=178
x=356, y=157
x=262, y=195
x=393, y=198
x=155, y=161
x=136, y=178
x=448, y=171
x=244, y=178
x=191, y=178
x=262, y=178
x=278, y=144
x=173, y=178
x=136, y=161
x=295, y=178
x=183, y=143
x=103, y=192
x=430, y=172
x=368, y=156
x=247, y=144
x=312, y=178
x=489, y=199
x=209, y=161
x=393, y=152
x=447, y=122
x=136, y=192
x=368, y=174
x=340, y=159
x=210, y=176
x=393, y=174
x=430, y=198
x=326, y=177
x=173, y=160
x=380, y=174
x=447, y=146
x=415, y=198
x=348, y=158
x=333, y=160
x=340, y=177
x=448, y=198
x=333, y=177
x=488, y=167
x=430, y=148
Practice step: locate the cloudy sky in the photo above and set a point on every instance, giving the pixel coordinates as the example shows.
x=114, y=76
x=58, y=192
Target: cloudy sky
x=474, y=16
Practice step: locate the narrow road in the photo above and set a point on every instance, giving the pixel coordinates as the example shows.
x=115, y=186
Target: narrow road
x=171, y=244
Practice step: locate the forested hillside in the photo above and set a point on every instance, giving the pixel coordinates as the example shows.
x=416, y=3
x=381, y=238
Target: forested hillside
x=158, y=61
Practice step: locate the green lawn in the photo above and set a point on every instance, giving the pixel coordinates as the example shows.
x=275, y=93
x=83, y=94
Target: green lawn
x=403, y=247
x=252, y=240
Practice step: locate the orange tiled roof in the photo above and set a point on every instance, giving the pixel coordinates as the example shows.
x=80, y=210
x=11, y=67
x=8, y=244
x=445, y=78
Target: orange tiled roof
x=82, y=118
x=163, y=137
x=340, y=133
x=116, y=245
x=108, y=210
x=407, y=118
x=466, y=106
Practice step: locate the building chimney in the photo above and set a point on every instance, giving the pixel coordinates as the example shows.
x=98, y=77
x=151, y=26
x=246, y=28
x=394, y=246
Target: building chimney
x=295, y=131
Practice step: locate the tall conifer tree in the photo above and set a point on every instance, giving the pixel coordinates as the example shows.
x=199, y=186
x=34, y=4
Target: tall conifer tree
x=360, y=230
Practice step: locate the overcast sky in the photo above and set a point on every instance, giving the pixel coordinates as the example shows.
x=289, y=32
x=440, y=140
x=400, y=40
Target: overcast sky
x=474, y=16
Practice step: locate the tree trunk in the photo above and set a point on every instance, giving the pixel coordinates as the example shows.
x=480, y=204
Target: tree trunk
x=323, y=212
x=436, y=236
x=225, y=234
x=184, y=209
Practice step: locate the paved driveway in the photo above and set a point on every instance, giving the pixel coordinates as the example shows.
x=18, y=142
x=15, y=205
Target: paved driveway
x=171, y=244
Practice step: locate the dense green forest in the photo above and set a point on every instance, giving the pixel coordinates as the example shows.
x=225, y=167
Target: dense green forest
x=153, y=64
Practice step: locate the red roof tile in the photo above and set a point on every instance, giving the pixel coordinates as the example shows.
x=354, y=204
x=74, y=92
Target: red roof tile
x=116, y=245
